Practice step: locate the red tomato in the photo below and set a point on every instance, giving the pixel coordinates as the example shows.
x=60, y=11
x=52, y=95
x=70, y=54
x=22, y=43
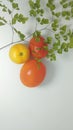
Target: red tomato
x=37, y=49
x=32, y=73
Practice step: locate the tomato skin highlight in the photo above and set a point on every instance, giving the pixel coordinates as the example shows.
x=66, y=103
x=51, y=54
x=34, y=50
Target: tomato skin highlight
x=32, y=73
x=37, y=49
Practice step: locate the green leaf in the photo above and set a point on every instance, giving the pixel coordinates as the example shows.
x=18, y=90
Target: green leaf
x=64, y=13
x=63, y=1
x=3, y=19
x=48, y=40
x=40, y=12
x=52, y=7
x=71, y=42
x=4, y=10
x=63, y=45
x=71, y=3
x=37, y=4
x=51, y=51
x=34, y=5
x=33, y=13
x=2, y=5
x=15, y=6
x=31, y=3
x=72, y=10
x=20, y=18
x=50, y=4
x=45, y=47
x=59, y=51
x=55, y=24
x=9, y=11
x=57, y=36
x=54, y=29
x=44, y=21
x=63, y=29
x=66, y=49
x=38, y=19
x=52, y=57
x=20, y=34
x=1, y=24
x=56, y=45
x=11, y=0
x=67, y=18
x=65, y=37
x=15, y=18
x=65, y=5
x=13, y=21
x=36, y=33
x=57, y=14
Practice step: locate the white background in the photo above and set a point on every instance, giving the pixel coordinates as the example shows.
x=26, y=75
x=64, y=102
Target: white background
x=47, y=107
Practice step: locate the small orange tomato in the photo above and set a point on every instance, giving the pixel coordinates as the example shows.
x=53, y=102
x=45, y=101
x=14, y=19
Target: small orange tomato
x=32, y=73
x=19, y=53
x=37, y=48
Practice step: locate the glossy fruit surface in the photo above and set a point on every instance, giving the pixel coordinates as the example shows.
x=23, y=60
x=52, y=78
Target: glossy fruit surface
x=19, y=53
x=32, y=73
x=37, y=47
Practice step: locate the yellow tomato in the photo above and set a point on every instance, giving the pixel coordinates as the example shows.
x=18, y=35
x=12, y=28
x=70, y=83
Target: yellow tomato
x=19, y=53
